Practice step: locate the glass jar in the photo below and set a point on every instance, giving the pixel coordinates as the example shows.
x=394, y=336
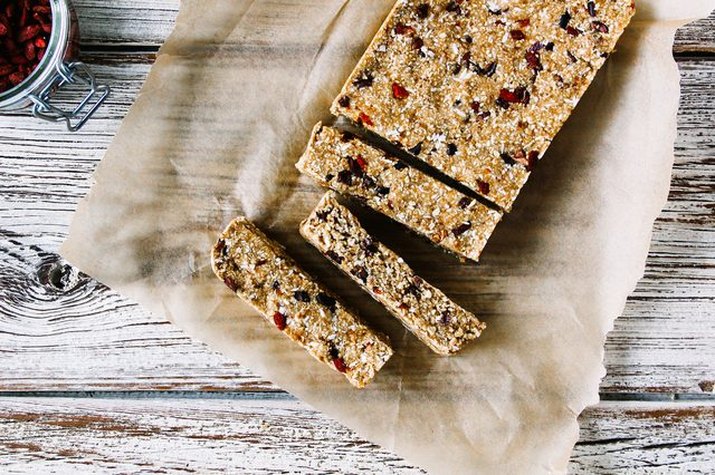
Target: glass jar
x=58, y=68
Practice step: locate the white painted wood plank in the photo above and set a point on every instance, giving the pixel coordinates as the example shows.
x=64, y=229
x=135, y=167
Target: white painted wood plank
x=697, y=37
x=135, y=23
x=170, y=435
x=281, y=435
x=646, y=439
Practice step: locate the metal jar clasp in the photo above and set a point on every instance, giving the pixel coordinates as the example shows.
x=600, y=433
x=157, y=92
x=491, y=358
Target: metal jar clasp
x=70, y=74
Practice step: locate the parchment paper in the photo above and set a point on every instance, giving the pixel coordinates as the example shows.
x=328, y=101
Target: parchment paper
x=215, y=132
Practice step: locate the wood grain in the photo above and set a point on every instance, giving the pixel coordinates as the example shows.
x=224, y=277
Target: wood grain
x=127, y=25
x=281, y=435
x=203, y=436
x=63, y=332
x=697, y=37
x=646, y=438
x=665, y=342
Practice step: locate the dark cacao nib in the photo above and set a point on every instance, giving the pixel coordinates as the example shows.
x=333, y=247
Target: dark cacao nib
x=461, y=229
x=345, y=177
x=487, y=71
x=536, y=47
x=361, y=273
x=369, y=246
x=221, y=248
x=344, y=102
x=402, y=29
x=468, y=39
x=301, y=296
x=400, y=166
x=451, y=149
x=517, y=35
x=230, y=283
x=422, y=11
x=534, y=61
x=532, y=159
x=565, y=19
x=591, y=7
x=453, y=7
x=261, y=262
x=445, y=318
x=549, y=46
x=326, y=301
x=329, y=177
x=383, y=190
x=414, y=290
x=368, y=182
x=364, y=81
x=417, y=43
x=507, y=159
x=502, y=103
x=599, y=26
x=335, y=257
x=465, y=202
x=276, y=285
x=416, y=150
x=357, y=166
x=573, y=31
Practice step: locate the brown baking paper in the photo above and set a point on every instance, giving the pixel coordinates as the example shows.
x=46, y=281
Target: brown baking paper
x=215, y=132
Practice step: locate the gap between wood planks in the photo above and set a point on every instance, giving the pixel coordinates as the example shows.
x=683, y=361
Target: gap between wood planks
x=685, y=398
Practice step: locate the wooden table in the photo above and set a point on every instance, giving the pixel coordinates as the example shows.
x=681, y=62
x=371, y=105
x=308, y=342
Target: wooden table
x=90, y=382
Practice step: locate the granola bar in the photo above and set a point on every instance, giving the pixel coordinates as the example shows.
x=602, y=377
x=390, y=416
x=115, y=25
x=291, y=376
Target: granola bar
x=446, y=216
x=261, y=273
x=478, y=89
x=425, y=310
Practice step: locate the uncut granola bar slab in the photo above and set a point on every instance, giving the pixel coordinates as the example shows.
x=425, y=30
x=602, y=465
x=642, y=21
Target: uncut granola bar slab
x=261, y=273
x=423, y=309
x=478, y=89
x=446, y=216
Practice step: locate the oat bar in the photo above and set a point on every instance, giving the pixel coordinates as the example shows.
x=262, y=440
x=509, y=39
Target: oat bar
x=478, y=89
x=261, y=273
x=446, y=216
x=423, y=309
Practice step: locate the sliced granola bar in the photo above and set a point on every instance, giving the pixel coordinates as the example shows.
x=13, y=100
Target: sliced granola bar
x=261, y=273
x=425, y=310
x=446, y=216
x=478, y=89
